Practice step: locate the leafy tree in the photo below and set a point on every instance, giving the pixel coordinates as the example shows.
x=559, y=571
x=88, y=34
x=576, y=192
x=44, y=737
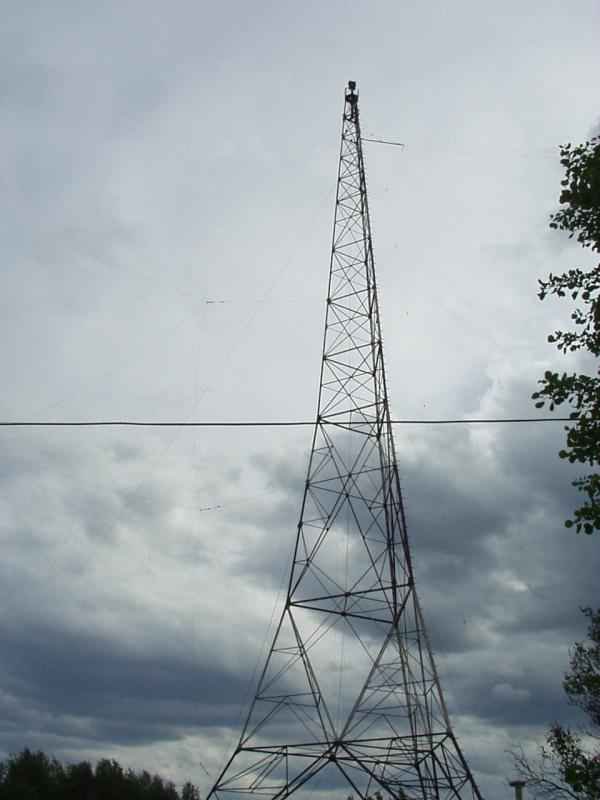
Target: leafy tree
x=580, y=217
x=31, y=776
x=79, y=781
x=34, y=776
x=109, y=779
x=189, y=792
x=582, y=683
x=568, y=766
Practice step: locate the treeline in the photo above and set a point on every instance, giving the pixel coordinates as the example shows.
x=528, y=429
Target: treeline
x=35, y=776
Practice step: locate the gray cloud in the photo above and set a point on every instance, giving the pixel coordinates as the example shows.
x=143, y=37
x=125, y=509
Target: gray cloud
x=68, y=675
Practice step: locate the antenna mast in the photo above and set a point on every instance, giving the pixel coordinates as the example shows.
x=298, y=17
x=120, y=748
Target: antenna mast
x=349, y=700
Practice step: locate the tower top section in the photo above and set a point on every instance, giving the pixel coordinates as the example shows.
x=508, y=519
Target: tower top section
x=351, y=101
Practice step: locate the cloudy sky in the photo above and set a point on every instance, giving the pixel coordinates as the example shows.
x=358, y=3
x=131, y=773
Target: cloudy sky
x=168, y=176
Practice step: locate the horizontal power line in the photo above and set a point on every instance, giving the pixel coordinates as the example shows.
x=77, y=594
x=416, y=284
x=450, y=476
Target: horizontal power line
x=263, y=423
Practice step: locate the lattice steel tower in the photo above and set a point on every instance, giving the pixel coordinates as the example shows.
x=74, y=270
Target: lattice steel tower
x=349, y=701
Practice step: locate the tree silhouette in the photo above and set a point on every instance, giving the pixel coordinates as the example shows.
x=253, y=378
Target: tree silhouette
x=35, y=776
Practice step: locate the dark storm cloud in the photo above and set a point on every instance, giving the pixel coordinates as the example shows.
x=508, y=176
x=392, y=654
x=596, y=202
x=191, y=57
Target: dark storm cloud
x=454, y=515
x=73, y=679
x=516, y=682
x=64, y=671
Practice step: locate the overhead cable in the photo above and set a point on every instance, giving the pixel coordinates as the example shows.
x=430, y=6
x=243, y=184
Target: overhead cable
x=260, y=423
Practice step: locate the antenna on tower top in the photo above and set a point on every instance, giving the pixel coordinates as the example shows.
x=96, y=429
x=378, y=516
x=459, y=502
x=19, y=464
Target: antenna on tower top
x=352, y=99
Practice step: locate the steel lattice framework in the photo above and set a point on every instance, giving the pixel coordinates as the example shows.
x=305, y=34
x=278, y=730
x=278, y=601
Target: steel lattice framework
x=373, y=719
